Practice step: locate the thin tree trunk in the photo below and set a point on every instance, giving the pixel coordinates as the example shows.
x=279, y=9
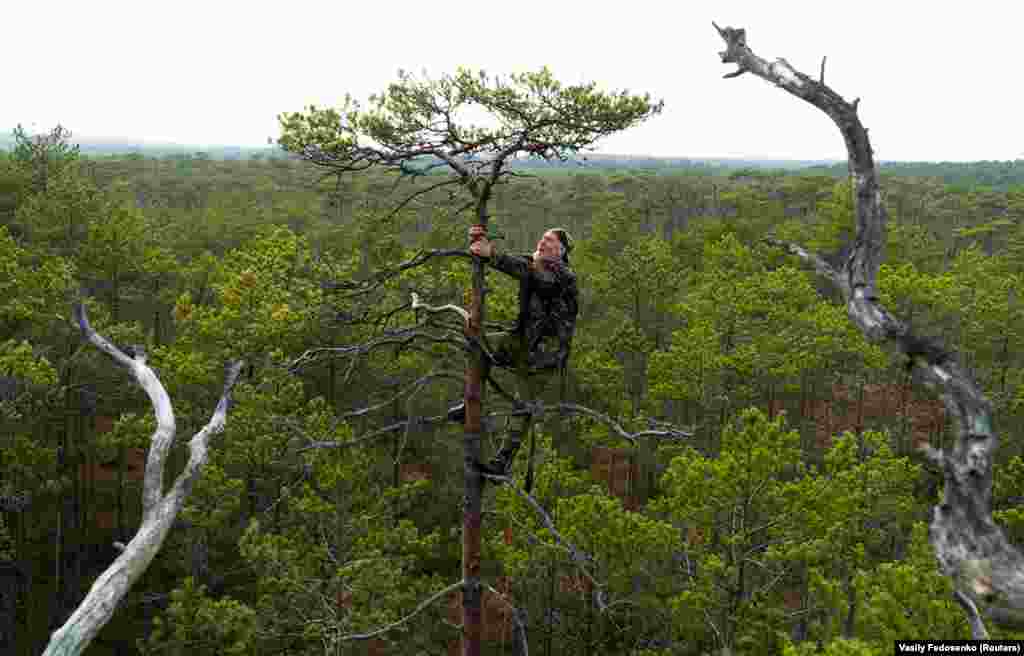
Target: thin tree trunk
x=851, y=613
x=157, y=335
x=473, y=481
x=115, y=301
x=120, y=493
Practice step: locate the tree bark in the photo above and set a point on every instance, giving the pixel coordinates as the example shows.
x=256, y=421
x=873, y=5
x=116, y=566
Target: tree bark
x=158, y=509
x=473, y=482
x=971, y=548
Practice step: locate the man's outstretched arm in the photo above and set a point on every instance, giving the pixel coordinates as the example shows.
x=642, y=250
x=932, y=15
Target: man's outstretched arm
x=517, y=266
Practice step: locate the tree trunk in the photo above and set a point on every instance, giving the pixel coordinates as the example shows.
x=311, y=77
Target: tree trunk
x=157, y=334
x=115, y=298
x=473, y=482
x=851, y=612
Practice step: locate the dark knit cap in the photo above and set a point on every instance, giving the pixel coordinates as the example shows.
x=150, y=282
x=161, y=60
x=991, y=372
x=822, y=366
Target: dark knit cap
x=563, y=236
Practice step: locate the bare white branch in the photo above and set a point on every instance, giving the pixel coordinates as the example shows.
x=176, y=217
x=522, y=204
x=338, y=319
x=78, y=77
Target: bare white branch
x=417, y=304
x=159, y=511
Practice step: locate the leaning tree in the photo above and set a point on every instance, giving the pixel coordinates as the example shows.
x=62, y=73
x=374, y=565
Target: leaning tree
x=417, y=121
x=987, y=571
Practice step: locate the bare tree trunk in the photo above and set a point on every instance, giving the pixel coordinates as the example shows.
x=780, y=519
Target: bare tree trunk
x=970, y=547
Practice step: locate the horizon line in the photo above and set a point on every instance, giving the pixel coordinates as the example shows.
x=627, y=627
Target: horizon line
x=158, y=143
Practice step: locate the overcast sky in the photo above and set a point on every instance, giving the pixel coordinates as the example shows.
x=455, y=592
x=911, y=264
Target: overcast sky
x=937, y=81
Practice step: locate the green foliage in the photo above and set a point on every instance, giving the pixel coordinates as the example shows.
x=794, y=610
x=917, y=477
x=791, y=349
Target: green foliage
x=31, y=288
x=304, y=547
x=18, y=359
x=1007, y=493
x=909, y=597
x=747, y=323
x=744, y=507
x=264, y=294
x=629, y=553
x=566, y=118
x=859, y=508
x=195, y=623
x=415, y=120
x=837, y=647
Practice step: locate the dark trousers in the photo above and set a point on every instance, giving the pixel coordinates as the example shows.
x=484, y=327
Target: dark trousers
x=510, y=352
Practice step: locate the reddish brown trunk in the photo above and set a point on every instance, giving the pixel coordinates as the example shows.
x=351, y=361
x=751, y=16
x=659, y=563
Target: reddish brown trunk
x=473, y=487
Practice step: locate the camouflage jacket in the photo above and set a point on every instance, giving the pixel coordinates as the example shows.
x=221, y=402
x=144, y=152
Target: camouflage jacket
x=548, y=305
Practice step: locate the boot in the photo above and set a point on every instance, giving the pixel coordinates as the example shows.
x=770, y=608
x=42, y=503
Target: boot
x=501, y=463
x=457, y=413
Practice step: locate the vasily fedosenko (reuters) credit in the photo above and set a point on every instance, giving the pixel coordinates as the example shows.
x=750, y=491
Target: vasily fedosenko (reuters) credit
x=958, y=647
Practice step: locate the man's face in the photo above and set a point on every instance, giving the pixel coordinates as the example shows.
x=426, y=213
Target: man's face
x=549, y=246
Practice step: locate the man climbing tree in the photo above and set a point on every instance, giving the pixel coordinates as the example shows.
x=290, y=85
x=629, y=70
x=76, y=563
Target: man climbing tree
x=541, y=340
x=415, y=120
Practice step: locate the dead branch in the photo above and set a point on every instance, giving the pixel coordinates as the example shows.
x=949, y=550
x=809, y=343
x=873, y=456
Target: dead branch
x=669, y=433
x=401, y=338
x=970, y=547
x=422, y=257
x=405, y=391
x=362, y=439
x=579, y=557
x=397, y=623
x=159, y=509
x=419, y=305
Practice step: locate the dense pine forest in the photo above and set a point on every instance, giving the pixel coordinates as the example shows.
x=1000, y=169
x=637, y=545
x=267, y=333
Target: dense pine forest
x=793, y=517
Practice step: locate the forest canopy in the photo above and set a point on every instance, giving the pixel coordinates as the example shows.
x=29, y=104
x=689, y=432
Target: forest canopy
x=796, y=514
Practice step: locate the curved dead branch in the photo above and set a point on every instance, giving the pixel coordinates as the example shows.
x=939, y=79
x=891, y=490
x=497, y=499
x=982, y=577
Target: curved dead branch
x=397, y=623
x=580, y=558
x=357, y=288
x=417, y=304
x=159, y=510
x=670, y=432
x=971, y=548
x=405, y=391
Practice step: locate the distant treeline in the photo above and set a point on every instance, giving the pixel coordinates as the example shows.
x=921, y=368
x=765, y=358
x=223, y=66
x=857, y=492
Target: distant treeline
x=998, y=175
x=960, y=175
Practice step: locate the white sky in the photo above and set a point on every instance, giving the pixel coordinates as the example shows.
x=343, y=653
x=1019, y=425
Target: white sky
x=937, y=80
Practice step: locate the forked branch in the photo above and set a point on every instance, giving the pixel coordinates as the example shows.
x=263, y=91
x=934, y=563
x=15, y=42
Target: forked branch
x=159, y=510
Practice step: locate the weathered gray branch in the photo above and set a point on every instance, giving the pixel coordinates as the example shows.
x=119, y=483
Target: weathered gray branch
x=159, y=510
x=978, y=631
x=669, y=433
x=970, y=547
x=397, y=623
